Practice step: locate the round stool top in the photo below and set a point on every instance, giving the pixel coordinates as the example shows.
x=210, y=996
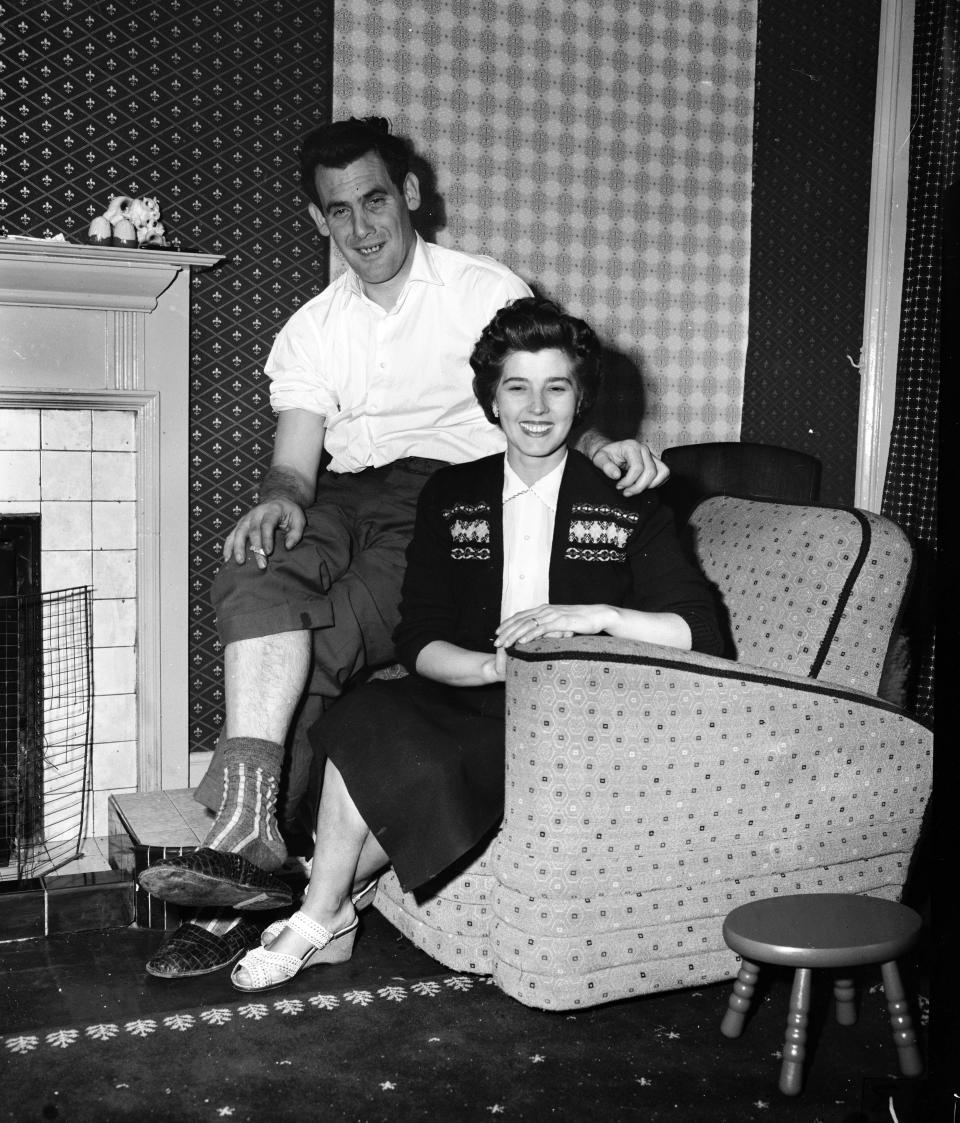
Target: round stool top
x=821, y=930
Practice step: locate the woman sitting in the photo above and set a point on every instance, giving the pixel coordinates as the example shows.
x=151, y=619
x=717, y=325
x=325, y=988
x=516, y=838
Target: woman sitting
x=506, y=549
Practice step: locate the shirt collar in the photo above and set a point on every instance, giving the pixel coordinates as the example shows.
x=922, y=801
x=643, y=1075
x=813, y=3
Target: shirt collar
x=546, y=489
x=422, y=269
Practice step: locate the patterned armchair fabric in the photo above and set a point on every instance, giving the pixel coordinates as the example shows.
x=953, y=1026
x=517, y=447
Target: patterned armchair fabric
x=809, y=590
x=650, y=791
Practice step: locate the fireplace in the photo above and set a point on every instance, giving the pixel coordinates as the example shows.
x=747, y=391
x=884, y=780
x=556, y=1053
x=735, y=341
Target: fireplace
x=21, y=685
x=45, y=726
x=93, y=451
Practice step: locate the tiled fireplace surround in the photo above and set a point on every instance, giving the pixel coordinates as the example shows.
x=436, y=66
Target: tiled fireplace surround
x=94, y=376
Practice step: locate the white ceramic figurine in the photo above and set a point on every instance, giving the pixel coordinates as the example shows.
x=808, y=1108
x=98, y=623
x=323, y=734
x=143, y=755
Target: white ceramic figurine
x=143, y=213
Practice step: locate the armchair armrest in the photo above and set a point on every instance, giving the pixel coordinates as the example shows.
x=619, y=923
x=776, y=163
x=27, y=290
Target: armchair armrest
x=631, y=768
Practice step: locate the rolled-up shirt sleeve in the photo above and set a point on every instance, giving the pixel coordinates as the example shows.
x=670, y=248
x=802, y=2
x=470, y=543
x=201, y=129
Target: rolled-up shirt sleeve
x=296, y=380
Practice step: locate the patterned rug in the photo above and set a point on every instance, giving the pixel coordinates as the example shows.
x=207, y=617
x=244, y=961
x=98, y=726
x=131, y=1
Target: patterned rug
x=384, y=1040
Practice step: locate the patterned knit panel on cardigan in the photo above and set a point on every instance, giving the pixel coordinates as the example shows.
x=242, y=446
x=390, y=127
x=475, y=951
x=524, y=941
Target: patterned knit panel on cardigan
x=809, y=590
x=647, y=797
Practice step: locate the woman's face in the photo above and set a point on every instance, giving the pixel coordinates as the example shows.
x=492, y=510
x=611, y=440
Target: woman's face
x=536, y=400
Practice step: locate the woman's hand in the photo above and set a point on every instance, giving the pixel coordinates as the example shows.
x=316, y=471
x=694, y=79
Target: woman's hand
x=560, y=620
x=494, y=667
x=456, y=666
x=667, y=629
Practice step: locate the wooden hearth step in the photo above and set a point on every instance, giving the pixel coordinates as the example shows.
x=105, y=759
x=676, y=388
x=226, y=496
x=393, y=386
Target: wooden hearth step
x=54, y=904
x=147, y=826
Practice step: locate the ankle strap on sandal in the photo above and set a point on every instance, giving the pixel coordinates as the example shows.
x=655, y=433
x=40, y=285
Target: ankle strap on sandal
x=309, y=930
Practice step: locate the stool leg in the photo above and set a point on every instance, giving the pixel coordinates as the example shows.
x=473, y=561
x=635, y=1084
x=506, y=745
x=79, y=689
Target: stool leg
x=844, y=994
x=795, y=1042
x=911, y=1063
x=740, y=997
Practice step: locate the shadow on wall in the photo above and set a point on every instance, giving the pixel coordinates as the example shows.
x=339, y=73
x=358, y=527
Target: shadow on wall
x=431, y=216
x=619, y=408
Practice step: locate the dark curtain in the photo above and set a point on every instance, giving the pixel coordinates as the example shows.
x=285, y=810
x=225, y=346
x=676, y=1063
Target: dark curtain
x=910, y=491
x=928, y=342
x=816, y=89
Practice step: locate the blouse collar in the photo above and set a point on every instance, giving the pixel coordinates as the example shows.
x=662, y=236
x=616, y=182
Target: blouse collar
x=546, y=489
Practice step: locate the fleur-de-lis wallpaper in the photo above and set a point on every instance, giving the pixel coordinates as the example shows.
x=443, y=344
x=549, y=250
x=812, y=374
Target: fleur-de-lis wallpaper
x=202, y=105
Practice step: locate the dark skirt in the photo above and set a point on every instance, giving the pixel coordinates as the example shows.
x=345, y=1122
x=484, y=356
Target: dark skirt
x=424, y=764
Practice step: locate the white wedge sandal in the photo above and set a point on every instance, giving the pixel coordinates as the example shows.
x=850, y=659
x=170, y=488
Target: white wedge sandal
x=266, y=969
x=362, y=899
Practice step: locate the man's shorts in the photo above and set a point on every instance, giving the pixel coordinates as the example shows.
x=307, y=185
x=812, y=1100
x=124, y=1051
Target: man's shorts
x=342, y=580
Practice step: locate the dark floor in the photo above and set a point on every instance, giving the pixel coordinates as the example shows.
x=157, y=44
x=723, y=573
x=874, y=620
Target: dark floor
x=663, y=1045
x=70, y=980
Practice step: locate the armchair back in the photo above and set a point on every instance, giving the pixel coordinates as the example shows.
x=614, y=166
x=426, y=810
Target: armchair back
x=808, y=590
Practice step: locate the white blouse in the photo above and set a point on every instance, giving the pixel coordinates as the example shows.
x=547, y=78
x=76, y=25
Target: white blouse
x=528, y=517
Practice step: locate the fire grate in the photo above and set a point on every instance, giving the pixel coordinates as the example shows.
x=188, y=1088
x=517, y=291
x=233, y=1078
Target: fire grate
x=46, y=729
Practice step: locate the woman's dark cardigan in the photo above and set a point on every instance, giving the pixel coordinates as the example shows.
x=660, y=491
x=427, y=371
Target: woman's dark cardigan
x=607, y=549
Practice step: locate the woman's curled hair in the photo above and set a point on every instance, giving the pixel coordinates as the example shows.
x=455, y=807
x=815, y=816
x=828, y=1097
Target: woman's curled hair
x=534, y=323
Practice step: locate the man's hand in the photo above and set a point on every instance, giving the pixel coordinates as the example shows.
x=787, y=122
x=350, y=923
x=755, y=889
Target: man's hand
x=288, y=487
x=257, y=529
x=631, y=464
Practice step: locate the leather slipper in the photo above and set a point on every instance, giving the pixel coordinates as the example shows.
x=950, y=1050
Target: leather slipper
x=191, y=950
x=209, y=878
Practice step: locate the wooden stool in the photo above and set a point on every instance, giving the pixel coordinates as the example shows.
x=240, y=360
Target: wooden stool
x=839, y=930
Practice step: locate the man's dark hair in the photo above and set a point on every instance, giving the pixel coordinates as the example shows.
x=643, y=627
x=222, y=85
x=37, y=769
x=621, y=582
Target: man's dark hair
x=339, y=143
x=534, y=323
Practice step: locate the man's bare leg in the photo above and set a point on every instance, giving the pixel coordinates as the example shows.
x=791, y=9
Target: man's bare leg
x=264, y=679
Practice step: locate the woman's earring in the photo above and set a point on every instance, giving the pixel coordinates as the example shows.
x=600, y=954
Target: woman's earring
x=496, y=410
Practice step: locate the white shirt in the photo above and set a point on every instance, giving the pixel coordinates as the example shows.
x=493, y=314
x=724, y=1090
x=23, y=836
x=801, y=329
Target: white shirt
x=528, y=518
x=398, y=383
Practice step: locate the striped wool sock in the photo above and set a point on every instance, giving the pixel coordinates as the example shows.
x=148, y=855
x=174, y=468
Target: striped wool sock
x=247, y=820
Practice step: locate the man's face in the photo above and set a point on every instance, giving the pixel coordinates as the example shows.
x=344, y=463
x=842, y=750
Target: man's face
x=368, y=219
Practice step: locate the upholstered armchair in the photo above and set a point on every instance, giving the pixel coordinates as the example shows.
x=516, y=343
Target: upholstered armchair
x=744, y=468
x=650, y=791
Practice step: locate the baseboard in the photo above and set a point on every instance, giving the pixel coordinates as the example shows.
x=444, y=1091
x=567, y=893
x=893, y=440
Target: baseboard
x=198, y=765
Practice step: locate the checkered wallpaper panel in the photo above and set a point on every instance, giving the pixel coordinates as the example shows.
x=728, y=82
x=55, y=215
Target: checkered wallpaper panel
x=603, y=151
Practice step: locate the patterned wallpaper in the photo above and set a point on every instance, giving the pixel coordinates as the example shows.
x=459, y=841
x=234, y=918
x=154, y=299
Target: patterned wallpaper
x=201, y=103
x=813, y=147
x=603, y=151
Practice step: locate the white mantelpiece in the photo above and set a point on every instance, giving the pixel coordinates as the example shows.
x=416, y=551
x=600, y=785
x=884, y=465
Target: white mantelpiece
x=102, y=328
